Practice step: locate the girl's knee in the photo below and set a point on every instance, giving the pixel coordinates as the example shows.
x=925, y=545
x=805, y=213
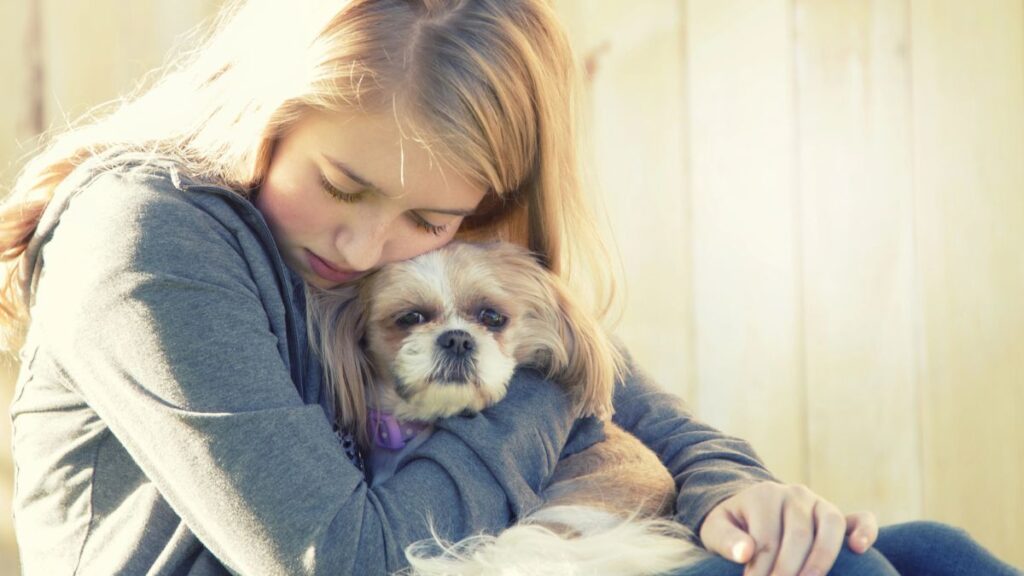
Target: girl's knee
x=870, y=563
x=934, y=548
x=711, y=566
x=934, y=533
x=849, y=563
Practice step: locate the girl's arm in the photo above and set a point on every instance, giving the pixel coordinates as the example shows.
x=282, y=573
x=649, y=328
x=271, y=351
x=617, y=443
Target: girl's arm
x=155, y=311
x=728, y=498
x=708, y=466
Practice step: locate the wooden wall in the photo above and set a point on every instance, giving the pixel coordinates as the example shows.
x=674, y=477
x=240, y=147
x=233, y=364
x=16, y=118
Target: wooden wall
x=819, y=207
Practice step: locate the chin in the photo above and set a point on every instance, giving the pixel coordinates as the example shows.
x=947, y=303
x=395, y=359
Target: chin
x=442, y=335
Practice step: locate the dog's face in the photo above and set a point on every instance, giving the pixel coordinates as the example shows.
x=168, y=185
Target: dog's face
x=447, y=330
x=442, y=334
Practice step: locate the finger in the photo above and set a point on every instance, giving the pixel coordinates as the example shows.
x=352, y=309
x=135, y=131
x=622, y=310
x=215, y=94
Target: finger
x=830, y=527
x=862, y=531
x=724, y=534
x=797, y=535
x=765, y=524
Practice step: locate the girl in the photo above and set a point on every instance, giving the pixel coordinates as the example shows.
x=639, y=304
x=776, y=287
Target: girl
x=169, y=417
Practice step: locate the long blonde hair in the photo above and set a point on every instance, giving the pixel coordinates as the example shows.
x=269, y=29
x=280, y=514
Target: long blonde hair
x=491, y=85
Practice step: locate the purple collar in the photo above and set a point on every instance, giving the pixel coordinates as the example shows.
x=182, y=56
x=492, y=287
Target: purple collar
x=388, y=433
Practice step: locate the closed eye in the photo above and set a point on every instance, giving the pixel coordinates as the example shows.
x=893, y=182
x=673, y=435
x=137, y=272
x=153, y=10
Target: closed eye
x=353, y=197
x=422, y=223
x=339, y=193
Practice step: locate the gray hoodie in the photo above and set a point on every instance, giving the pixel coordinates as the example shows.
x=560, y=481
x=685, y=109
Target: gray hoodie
x=169, y=416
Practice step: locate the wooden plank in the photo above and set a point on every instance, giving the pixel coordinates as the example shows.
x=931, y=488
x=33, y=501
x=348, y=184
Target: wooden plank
x=98, y=51
x=745, y=261
x=857, y=240
x=968, y=79
x=635, y=139
x=19, y=62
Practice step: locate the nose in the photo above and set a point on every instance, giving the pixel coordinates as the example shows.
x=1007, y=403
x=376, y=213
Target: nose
x=362, y=243
x=457, y=343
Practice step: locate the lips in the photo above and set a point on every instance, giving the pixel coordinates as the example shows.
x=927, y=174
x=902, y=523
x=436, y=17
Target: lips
x=324, y=270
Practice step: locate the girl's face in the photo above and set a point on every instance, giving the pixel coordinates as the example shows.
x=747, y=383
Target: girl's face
x=345, y=194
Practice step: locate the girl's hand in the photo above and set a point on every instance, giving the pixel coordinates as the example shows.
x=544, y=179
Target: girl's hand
x=784, y=530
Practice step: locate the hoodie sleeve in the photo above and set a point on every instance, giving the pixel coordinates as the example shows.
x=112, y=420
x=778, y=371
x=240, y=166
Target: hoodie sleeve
x=708, y=466
x=148, y=308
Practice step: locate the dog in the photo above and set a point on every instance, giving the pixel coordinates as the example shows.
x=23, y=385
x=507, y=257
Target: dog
x=441, y=335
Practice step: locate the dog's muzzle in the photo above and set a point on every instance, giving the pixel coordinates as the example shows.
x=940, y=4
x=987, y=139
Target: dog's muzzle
x=456, y=351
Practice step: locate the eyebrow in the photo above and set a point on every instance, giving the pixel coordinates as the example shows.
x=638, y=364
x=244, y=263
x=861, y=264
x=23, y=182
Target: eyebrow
x=355, y=177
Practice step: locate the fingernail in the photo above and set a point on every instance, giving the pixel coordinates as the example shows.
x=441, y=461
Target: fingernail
x=737, y=552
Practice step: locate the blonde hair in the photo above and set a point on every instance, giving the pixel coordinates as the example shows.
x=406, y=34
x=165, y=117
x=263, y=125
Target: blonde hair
x=490, y=85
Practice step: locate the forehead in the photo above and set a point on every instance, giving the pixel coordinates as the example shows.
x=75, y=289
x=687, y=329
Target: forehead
x=382, y=152
x=459, y=277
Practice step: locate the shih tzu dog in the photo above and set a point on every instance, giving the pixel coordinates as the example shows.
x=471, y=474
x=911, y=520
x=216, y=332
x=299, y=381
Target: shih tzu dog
x=441, y=335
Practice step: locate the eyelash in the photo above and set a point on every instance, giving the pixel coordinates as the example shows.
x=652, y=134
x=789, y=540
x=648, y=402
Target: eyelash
x=335, y=192
x=352, y=198
x=427, y=226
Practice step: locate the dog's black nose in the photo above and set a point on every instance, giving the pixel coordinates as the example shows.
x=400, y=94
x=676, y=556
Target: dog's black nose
x=456, y=342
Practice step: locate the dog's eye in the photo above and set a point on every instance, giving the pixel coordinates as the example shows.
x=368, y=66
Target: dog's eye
x=492, y=318
x=411, y=319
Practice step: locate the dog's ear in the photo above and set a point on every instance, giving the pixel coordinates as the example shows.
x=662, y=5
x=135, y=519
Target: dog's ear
x=338, y=331
x=570, y=344
x=592, y=364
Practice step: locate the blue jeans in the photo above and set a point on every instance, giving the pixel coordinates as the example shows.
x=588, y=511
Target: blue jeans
x=910, y=549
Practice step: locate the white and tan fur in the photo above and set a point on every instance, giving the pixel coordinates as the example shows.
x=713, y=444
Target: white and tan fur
x=605, y=508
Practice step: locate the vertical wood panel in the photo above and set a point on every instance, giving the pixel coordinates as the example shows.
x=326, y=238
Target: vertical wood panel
x=745, y=267
x=98, y=51
x=636, y=108
x=17, y=54
x=968, y=78
x=857, y=240
x=883, y=267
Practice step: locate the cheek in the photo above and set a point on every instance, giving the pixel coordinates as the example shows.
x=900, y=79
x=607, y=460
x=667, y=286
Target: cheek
x=288, y=209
